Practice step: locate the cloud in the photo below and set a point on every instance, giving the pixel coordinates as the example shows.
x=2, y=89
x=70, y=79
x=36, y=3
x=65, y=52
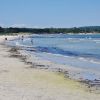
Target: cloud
x=24, y=26
x=19, y=25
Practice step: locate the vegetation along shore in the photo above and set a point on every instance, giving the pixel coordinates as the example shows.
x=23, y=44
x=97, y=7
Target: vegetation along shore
x=87, y=29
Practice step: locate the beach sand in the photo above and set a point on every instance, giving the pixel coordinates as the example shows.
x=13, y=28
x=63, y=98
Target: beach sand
x=20, y=81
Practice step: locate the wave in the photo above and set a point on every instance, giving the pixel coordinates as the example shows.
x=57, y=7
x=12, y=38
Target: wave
x=56, y=50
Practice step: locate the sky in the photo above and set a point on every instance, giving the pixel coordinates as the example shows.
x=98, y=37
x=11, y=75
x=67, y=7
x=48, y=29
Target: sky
x=49, y=13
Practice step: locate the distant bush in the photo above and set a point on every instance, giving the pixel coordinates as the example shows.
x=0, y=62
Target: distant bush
x=89, y=29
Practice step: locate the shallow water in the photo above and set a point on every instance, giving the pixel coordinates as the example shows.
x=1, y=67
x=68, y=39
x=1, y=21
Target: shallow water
x=80, y=51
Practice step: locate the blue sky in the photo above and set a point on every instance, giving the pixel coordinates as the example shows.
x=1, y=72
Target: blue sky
x=49, y=13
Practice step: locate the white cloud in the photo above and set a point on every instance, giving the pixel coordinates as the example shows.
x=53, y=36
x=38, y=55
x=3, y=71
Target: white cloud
x=19, y=25
x=24, y=26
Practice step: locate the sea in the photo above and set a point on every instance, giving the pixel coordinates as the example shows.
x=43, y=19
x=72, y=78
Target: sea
x=75, y=50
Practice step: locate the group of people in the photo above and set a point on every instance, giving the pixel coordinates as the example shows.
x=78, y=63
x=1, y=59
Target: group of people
x=22, y=38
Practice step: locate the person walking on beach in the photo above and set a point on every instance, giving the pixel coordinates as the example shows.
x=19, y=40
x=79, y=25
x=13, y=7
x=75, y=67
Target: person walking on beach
x=22, y=38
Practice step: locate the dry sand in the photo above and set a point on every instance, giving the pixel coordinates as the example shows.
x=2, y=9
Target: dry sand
x=20, y=82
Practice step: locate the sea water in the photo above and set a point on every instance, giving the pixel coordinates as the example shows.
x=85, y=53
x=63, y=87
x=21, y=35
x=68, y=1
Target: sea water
x=75, y=50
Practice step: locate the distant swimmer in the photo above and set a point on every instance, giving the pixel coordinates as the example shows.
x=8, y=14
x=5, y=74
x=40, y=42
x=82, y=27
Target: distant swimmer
x=31, y=41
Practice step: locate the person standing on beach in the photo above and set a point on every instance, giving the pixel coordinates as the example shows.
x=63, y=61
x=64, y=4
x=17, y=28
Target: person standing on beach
x=5, y=38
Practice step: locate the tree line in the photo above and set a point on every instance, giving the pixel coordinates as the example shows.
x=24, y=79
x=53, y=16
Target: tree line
x=89, y=29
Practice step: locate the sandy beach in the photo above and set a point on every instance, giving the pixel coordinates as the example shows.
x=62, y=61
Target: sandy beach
x=23, y=81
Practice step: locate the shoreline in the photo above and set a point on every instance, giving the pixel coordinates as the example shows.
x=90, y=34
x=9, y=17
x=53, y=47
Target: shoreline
x=32, y=75
x=40, y=63
x=66, y=71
